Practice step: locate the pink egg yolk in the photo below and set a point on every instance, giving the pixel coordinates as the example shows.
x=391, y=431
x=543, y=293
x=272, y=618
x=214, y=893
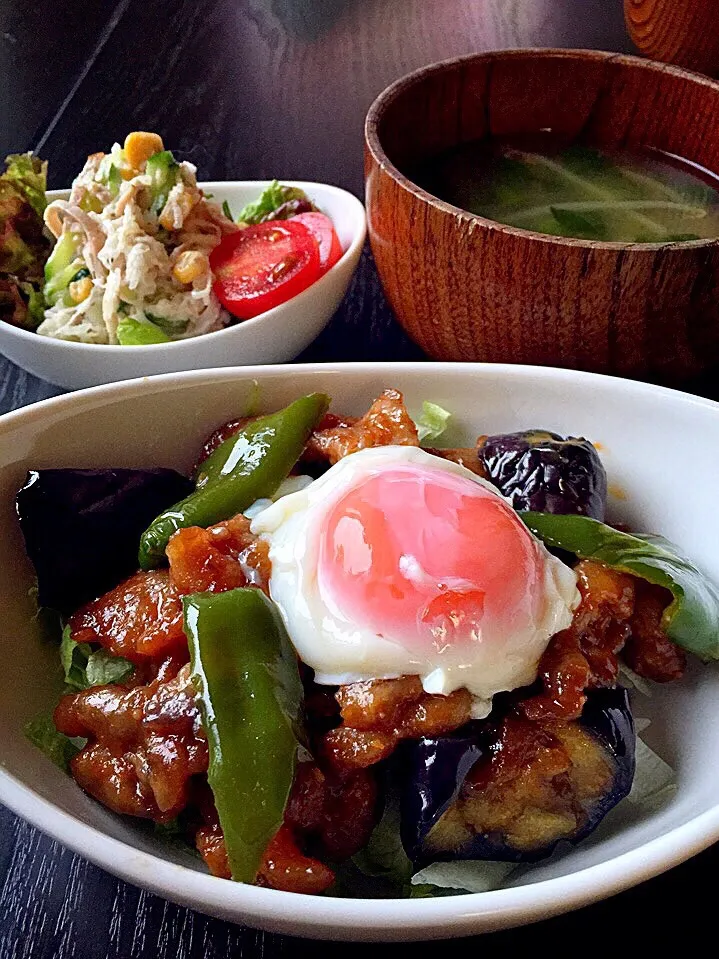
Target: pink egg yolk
x=429, y=559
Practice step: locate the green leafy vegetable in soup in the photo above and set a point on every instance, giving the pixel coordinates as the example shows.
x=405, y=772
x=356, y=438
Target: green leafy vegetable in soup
x=536, y=184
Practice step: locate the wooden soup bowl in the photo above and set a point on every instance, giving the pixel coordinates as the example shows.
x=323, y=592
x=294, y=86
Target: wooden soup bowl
x=468, y=288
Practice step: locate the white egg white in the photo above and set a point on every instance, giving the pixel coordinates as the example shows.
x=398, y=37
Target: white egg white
x=342, y=651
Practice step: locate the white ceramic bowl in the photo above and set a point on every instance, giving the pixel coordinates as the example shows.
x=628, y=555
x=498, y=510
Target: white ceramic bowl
x=273, y=337
x=661, y=449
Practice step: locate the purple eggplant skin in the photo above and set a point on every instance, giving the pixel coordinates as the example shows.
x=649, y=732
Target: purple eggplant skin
x=436, y=768
x=82, y=527
x=544, y=472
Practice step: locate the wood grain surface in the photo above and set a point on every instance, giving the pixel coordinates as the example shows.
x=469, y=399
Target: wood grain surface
x=685, y=32
x=250, y=88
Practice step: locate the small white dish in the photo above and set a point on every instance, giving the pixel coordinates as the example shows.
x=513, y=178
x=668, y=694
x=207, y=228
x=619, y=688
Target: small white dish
x=276, y=336
x=661, y=450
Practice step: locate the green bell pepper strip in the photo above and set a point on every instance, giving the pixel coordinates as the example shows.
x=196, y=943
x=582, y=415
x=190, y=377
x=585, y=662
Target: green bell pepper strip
x=692, y=618
x=248, y=466
x=250, y=696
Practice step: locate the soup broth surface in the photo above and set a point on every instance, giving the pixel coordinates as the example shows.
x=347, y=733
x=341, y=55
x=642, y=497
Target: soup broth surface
x=578, y=191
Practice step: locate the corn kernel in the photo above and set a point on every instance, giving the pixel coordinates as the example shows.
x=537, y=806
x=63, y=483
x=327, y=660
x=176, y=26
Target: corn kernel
x=80, y=289
x=190, y=264
x=140, y=146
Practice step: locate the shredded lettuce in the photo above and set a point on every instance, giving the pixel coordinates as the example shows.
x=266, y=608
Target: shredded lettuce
x=633, y=680
x=60, y=749
x=382, y=869
x=384, y=857
x=84, y=667
x=468, y=875
x=654, y=779
x=432, y=422
x=425, y=890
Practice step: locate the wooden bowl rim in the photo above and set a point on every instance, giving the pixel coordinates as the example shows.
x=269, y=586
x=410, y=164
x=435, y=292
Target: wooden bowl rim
x=399, y=86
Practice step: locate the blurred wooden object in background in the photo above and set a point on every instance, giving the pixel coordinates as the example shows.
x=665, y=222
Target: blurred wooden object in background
x=247, y=89
x=684, y=32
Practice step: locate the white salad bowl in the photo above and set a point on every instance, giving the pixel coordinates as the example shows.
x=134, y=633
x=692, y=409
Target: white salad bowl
x=276, y=336
x=661, y=450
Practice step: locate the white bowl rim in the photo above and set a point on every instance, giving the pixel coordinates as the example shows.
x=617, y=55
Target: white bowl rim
x=355, y=209
x=521, y=904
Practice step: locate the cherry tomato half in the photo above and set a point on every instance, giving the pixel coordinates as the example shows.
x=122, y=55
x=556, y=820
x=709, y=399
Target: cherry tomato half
x=323, y=231
x=264, y=265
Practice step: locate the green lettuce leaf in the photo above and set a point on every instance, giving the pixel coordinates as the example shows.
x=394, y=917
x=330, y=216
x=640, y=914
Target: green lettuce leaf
x=29, y=175
x=24, y=245
x=426, y=890
x=85, y=667
x=272, y=197
x=432, y=422
x=35, y=305
x=692, y=618
x=59, y=748
x=463, y=875
x=383, y=858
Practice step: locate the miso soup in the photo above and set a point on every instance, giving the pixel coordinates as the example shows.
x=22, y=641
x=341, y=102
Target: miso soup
x=578, y=191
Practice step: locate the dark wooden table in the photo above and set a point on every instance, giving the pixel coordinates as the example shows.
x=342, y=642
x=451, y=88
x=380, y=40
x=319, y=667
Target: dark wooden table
x=252, y=89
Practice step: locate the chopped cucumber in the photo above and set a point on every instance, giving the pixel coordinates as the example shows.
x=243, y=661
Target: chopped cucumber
x=62, y=268
x=164, y=173
x=173, y=326
x=109, y=173
x=135, y=332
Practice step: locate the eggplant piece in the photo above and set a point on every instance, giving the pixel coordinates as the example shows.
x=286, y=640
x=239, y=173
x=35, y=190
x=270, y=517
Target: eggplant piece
x=82, y=527
x=544, y=472
x=444, y=816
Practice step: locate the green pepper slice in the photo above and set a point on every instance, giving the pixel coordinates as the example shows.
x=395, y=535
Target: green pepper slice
x=248, y=466
x=250, y=695
x=691, y=620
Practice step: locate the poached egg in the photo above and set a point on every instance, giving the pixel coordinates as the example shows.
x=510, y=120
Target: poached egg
x=397, y=562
